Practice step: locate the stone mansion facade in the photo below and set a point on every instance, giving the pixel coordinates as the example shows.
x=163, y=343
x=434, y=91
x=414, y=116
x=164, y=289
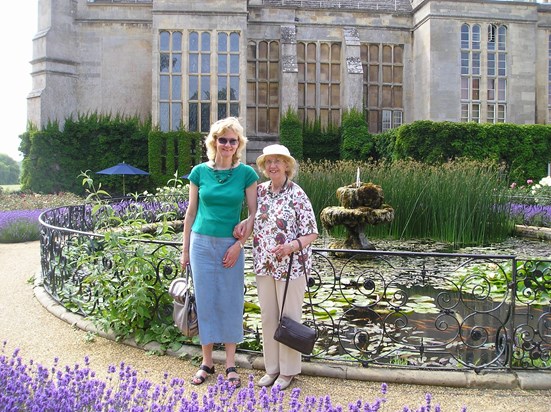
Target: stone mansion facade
x=186, y=63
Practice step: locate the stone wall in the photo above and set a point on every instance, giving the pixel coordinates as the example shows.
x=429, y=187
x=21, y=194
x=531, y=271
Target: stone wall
x=102, y=55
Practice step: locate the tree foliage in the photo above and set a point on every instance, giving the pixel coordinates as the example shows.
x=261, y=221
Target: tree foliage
x=9, y=170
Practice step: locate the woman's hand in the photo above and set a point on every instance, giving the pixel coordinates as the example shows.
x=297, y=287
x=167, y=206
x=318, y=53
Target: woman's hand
x=184, y=259
x=240, y=229
x=283, y=250
x=232, y=254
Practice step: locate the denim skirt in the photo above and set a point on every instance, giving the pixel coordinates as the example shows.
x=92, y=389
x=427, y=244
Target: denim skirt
x=219, y=291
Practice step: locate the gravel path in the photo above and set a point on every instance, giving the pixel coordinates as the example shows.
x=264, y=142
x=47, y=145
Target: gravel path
x=27, y=325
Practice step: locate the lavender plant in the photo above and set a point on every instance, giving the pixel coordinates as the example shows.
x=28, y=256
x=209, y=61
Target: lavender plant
x=33, y=387
x=19, y=226
x=19, y=213
x=531, y=202
x=531, y=215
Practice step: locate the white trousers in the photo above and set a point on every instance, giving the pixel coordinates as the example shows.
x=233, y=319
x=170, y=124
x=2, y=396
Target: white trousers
x=279, y=358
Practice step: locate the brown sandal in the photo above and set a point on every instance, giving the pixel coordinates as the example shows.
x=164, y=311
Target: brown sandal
x=235, y=382
x=199, y=379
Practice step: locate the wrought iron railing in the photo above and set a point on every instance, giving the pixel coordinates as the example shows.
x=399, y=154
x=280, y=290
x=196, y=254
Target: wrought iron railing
x=393, y=308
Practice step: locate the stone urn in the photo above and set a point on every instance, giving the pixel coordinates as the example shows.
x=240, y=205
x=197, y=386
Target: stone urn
x=362, y=204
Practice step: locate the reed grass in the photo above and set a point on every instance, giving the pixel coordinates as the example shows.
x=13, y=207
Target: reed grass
x=459, y=202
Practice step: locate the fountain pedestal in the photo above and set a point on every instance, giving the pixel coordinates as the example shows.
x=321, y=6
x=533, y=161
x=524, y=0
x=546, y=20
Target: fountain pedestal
x=361, y=205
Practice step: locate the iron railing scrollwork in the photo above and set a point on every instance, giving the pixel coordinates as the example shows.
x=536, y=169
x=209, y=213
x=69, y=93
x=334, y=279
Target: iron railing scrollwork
x=393, y=308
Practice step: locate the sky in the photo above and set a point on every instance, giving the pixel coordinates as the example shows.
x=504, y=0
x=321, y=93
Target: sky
x=16, y=33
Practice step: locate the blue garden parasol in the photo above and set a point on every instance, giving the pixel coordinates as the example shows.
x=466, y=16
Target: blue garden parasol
x=122, y=169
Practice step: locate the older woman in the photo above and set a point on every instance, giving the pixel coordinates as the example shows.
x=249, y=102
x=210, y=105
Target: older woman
x=284, y=224
x=216, y=193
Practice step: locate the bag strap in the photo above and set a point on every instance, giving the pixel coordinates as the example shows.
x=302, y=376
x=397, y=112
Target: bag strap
x=286, y=285
x=189, y=278
x=307, y=285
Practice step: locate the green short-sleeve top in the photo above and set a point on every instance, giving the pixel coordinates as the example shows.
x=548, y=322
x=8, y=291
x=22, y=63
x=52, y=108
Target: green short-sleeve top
x=219, y=204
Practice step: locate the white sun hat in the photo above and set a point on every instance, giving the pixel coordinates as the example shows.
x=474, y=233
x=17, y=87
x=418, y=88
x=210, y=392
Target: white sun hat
x=277, y=150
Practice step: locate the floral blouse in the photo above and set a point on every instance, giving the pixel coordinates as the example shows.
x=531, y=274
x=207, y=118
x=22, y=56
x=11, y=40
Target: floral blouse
x=281, y=218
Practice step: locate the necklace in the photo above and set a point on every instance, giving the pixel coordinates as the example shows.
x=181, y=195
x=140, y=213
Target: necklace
x=219, y=174
x=281, y=189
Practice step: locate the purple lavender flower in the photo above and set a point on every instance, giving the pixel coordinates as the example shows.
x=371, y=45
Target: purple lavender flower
x=531, y=215
x=7, y=217
x=19, y=225
x=75, y=388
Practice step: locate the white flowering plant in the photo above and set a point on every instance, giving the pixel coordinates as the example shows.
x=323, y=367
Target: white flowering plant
x=174, y=187
x=541, y=191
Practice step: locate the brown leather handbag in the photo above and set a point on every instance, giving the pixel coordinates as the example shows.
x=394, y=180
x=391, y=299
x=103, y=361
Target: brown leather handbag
x=294, y=334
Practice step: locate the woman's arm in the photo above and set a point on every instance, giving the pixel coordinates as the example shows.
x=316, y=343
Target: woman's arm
x=232, y=254
x=294, y=245
x=247, y=225
x=191, y=213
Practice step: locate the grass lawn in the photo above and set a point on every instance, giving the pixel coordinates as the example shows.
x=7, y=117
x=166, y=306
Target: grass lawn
x=10, y=188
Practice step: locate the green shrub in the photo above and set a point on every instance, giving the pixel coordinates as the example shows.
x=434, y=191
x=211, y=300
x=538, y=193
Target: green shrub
x=384, y=145
x=319, y=143
x=290, y=134
x=54, y=157
x=524, y=150
x=173, y=153
x=357, y=142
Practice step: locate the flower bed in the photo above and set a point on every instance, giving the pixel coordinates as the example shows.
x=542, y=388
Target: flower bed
x=33, y=387
x=20, y=211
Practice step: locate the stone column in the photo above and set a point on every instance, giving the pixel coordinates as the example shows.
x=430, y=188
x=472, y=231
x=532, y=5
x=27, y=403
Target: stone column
x=352, y=80
x=289, y=70
x=54, y=64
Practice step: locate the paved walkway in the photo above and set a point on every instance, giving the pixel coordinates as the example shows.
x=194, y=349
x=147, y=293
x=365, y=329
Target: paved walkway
x=43, y=330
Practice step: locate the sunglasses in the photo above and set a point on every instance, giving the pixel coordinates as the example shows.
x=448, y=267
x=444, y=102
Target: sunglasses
x=223, y=140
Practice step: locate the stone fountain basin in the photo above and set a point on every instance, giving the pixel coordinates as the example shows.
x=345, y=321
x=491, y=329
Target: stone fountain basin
x=339, y=215
x=364, y=194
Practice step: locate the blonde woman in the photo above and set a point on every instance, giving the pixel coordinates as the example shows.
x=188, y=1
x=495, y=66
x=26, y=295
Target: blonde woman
x=216, y=193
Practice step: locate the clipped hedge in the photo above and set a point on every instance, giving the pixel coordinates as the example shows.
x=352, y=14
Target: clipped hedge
x=357, y=142
x=54, y=157
x=523, y=150
x=171, y=152
x=321, y=143
x=290, y=134
x=384, y=145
